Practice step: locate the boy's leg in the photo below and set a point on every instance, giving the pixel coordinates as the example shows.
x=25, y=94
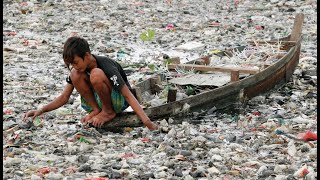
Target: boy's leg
x=82, y=84
x=103, y=88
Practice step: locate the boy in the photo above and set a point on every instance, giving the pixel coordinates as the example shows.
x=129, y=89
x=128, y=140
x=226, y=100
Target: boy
x=101, y=82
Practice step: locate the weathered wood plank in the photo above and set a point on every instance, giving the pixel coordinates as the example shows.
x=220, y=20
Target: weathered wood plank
x=172, y=95
x=154, y=84
x=205, y=60
x=297, y=27
x=124, y=120
x=234, y=76
x=266, y=65
x=175, y=60
x=202, y=61
x=214, y=68
x=136, y=91
x=205, y=79
x=144, y=85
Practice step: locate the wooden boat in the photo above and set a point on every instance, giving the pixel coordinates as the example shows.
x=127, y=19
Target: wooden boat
x=237, y=90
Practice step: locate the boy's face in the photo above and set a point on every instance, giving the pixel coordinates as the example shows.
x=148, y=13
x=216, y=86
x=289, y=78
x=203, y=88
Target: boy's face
x=79, y=64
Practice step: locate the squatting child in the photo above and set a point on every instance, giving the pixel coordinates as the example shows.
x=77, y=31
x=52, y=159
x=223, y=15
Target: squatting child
x=101, y=82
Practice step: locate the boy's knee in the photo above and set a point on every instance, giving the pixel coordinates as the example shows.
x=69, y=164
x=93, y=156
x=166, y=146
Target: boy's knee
x=97, y=76
x=74, y=75
x=77, y=76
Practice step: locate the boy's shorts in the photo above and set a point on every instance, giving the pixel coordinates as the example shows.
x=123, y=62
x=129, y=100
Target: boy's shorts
x=119, y=103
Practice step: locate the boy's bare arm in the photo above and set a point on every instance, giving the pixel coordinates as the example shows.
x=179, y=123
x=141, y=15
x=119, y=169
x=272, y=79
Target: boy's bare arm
x=56, y=103
x=137, y=108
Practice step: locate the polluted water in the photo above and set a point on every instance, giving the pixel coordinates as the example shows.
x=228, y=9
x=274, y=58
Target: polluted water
x=271, y=136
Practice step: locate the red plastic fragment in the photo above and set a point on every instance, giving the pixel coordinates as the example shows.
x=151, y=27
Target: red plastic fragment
x=145, y=139
x=128, y=155
x=44, y=170
x=170, y=27
x=256, y=113
x=308, y=136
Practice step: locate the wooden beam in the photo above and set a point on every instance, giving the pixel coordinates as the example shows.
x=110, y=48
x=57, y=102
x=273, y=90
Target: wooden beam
x=297, y=27
x=123, y=120
x=213, y=68
x=205, y=60
x=202, y=61
x=154, y=84
x=136, y=91
x=172, y=95
x=266, y=65
x=175, y=60
x=234, y=76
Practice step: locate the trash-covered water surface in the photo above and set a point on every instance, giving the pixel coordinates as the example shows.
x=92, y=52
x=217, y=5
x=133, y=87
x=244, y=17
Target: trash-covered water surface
x=273, y=136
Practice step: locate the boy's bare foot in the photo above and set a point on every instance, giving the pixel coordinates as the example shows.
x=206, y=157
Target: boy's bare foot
x=102, y=118
x=89, y=116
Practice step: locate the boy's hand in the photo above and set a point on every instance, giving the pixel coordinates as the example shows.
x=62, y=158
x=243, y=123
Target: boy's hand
x=152, y=126
x=33, y=113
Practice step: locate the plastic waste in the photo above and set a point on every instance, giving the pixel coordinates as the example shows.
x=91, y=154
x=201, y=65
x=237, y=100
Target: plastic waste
x=121, y=55
x=7, y=111
x=302, y=172
x=189, y=90
x=292, y=148
x=44, y=170
x=308, y=136
x=259, y=27
x=38, y=122
x=171, y=27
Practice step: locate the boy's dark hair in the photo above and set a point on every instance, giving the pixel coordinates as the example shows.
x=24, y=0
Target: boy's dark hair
x=72, y=47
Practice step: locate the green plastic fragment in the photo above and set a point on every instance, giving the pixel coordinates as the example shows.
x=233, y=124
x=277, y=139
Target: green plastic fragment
x=168, y=61
x=189, y=90
x=148, y=35
x=235, y=118
x=152, y=67
x=281, y=121
x=37, y=122
x=82, y=139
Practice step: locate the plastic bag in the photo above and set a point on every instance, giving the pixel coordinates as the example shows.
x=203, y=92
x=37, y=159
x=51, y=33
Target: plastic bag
x=308, y=136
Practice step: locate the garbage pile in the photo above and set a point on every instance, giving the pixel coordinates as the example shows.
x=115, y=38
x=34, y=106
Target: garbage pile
x=273, y=137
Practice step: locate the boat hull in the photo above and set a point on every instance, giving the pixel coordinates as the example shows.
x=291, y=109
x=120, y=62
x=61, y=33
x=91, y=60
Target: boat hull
x=234, y=92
